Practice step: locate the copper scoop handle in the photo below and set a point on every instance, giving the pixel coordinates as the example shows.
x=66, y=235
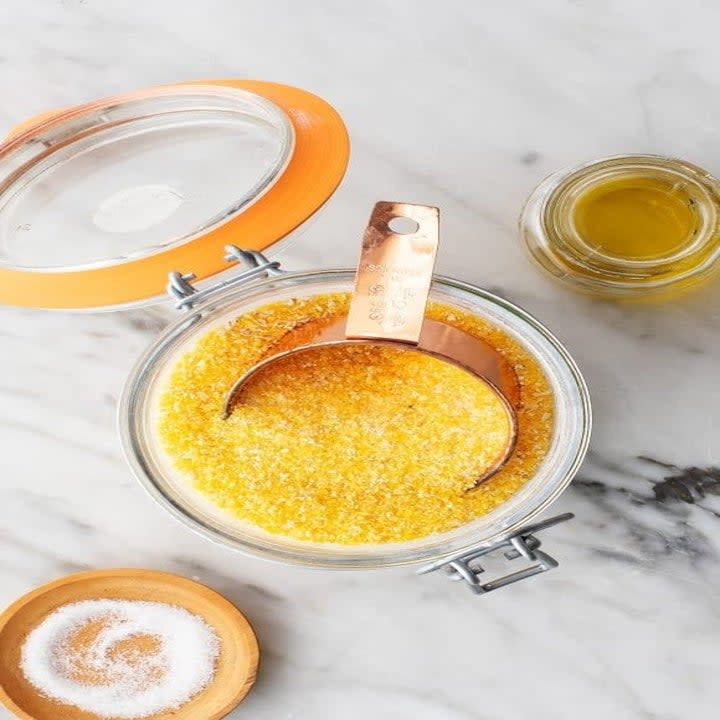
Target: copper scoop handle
x=393, y=277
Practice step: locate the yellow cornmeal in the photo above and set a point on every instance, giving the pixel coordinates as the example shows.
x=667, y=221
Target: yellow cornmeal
x=350, y=444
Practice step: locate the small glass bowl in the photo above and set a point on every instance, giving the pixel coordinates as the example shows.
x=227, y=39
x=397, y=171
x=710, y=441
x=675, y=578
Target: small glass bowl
x=138, y=407
x=548, y=230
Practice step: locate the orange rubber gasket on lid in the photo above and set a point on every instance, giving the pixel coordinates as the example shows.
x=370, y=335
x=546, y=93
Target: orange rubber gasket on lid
x=317, y=166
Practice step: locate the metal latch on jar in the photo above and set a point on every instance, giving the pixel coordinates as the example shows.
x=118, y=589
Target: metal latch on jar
x=521, y=544
x=186, y=295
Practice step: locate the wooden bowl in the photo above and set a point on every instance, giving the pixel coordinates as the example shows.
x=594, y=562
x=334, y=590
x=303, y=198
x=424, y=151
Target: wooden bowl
x=236, y=666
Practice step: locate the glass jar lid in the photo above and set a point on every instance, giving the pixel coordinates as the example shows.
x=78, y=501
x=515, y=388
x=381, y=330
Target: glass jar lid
x=99, y=202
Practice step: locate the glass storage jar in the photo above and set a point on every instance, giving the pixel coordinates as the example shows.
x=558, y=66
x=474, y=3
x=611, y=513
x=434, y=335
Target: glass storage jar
x=142, y=449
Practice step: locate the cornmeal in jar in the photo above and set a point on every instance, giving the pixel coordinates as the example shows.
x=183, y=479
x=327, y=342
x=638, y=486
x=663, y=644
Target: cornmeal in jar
x=348, y=444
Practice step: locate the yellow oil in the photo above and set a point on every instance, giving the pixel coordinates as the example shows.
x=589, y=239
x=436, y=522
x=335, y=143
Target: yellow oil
x=638, y=218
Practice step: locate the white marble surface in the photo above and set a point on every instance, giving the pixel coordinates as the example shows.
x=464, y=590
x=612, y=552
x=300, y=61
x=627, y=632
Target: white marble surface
x=466, y=107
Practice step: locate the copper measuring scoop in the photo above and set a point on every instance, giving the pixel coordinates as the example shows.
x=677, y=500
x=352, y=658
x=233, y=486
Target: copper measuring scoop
x=392, y=285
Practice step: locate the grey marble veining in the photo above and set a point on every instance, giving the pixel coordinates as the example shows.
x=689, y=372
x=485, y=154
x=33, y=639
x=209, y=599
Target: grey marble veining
x=466, y=106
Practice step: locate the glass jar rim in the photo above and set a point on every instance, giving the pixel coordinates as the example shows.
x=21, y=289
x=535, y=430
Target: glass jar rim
x=136, y=395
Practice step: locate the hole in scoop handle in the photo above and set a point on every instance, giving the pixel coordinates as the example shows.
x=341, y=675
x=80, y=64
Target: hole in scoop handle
x=394, y=273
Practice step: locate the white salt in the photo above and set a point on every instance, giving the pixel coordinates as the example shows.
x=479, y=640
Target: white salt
x=131, y=684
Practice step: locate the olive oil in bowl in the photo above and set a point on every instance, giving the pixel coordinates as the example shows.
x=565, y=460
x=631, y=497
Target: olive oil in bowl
x=640, y=227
